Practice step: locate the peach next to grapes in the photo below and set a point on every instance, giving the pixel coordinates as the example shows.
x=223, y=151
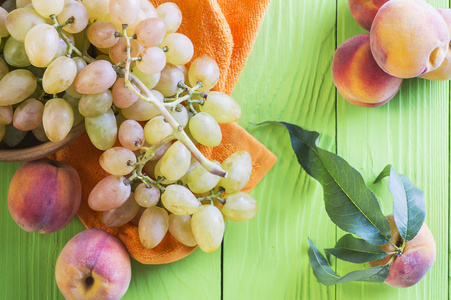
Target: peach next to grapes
x=358, y=77
x=44, y=195
x=93, y=265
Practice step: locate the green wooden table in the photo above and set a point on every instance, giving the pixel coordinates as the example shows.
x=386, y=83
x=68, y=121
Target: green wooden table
x=287, y=77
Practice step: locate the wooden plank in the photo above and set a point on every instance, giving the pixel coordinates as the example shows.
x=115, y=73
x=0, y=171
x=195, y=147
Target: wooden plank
x=287, y=77
x=412, y=133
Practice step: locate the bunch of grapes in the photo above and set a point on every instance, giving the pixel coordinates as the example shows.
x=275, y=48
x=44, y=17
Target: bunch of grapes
x=121, y=67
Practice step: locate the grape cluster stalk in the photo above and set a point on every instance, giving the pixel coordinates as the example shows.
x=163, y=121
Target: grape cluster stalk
x=143, y=72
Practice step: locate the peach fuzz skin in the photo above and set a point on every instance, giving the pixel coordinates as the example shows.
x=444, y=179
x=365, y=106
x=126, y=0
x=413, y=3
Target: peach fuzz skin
x=358, y=77
x=93, y=265
x=44, y=195
x=403, y=25
x=443, y=72
x=364, y=11
x=414, y=262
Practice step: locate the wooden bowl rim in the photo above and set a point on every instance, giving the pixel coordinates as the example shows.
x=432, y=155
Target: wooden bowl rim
x=41, y=150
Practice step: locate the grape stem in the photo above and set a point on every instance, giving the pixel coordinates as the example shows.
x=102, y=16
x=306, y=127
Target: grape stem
x=136, y=86
x=70, y=45
x=213, y=196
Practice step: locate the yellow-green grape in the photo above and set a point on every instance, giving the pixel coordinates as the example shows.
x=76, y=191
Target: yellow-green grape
x=142, y=110
x=150, y=32
x=81, y=64
x=39, y=133
x=130, y=134
x=170, y=77
x=3, y=30
x=6, y=114
x=22, y=3
x=153, y=226
x=57, y=119
x=96, y=8
x=41, y=44
x=117, y=161
x=239, y=168
x=147, y=196
x=156, y=129
x=180, y=229
x=206, y=70
x=28, y=115
x=149, y=80
x=205, y=129
x=158, y=174
x=194, y=163
x=152, y=60
x=239, y=207
x=109, y=193
x=199, y=180
x=222, y=107
x=13, y=136
x=171, y=15
x=180, y=114
x=59, y=75
x=16, y=86
x=102, y=130
x=95, y=78
x=3, y=68
x=124, y=11
x=208, y=228
x=121, y=215
x=179, y=200
x=94, y=105
x=48, y=7
x=75, y=9
x=21, y=20
x=15, y=54
x=180, y=49
x=74, y=104
x=2, y=131
x=175, y=162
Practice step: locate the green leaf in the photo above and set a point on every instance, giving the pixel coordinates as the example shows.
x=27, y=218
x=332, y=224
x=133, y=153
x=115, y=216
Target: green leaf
x=324, y=273
x=374, y=274
x=350, y=204
x=385, y=172
x=356, y=250
x=321, y=269
x=409, y=208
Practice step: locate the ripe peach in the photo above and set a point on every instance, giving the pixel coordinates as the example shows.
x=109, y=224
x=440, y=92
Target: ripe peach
x=93, y=265
x=418, y=256
x=364, y=11
x=408, y=38
x=443, y=72
x=358, y=77
x=44, y=195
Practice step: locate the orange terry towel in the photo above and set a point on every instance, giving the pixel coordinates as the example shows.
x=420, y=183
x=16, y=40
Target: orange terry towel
x=224, y=30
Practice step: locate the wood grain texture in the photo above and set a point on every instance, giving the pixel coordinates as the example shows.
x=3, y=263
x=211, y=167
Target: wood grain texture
x=287, y=78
